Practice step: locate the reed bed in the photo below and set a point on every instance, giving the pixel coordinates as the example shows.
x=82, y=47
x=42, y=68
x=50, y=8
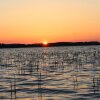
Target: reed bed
x=27, y=71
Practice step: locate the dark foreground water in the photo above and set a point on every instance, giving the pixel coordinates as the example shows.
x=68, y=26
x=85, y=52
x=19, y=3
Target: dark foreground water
x=56, y=73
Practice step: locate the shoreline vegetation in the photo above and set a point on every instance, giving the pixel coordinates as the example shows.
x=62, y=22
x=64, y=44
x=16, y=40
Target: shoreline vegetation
x=56, y=44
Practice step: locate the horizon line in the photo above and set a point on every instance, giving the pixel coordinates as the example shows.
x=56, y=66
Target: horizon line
x=53, y=42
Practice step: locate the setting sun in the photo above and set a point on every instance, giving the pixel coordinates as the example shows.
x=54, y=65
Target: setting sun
x=45, y=43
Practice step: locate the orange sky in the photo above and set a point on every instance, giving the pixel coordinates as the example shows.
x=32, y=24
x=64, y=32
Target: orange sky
x=33, y=21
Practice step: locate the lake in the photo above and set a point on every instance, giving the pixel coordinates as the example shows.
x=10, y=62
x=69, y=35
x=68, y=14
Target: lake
x=50, y=73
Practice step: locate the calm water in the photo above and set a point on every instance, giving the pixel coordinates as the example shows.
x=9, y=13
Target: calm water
x=56, y=73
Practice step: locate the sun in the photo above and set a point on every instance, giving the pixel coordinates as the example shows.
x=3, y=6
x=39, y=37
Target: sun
x=45, y=43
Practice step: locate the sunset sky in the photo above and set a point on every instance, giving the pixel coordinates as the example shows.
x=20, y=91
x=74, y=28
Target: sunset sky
x=35, y=21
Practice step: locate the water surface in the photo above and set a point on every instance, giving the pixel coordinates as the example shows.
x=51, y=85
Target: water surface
x=56, y=73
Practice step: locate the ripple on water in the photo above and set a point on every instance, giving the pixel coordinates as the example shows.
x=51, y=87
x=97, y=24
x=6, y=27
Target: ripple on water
x=67, y=73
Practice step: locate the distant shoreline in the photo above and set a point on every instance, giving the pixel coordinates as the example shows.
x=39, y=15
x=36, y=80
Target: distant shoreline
x=57, y=44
